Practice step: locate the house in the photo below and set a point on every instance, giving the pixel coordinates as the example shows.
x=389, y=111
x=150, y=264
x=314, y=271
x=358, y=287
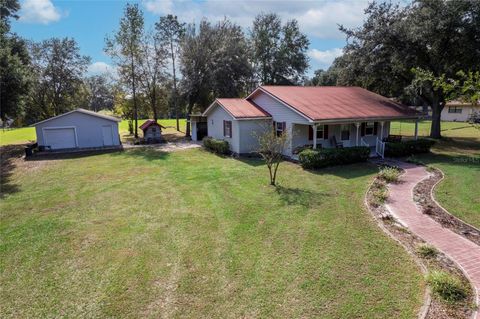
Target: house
x=457, y=111
x=152, y=131
x=316, y=116
x=78, y=129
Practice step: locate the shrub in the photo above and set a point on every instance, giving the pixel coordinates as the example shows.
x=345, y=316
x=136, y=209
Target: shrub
x=446, y=286
x=389, y=174
x=427, y=251
x=379, y=196
x=412, y=159
x=216, y=146
x=398, y=149
x=313, y=159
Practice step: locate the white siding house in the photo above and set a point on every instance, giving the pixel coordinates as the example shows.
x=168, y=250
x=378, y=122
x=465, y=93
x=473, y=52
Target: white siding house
x=458, y=111
x=78, y=129
x=316, y=117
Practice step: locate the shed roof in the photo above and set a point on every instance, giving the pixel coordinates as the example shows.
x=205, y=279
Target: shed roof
x=149, y=123
x=334, y=102
x=106, y=117
x=239, y=108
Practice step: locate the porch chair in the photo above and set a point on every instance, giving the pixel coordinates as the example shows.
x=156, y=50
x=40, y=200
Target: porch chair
x=335, y=143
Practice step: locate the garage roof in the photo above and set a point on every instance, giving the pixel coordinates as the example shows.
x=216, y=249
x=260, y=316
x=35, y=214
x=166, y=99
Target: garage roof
x=239, y=108
x=335, y=102
x=106, y=117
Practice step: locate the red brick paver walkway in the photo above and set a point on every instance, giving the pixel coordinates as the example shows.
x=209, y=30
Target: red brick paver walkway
x=462, y=251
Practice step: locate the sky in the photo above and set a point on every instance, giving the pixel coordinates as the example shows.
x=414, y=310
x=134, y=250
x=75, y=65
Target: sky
x=90, y=21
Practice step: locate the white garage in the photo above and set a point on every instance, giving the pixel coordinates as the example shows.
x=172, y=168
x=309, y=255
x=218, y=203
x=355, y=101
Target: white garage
x=78, y=129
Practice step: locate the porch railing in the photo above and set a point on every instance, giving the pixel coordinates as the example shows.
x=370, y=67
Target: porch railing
x=380, y=148
x=363, y=143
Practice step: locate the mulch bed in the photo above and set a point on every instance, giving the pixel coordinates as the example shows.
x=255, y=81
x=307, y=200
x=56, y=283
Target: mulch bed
x=421, y=194
x=437, y=308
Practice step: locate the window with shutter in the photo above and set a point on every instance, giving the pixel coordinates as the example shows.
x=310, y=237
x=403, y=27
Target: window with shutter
x=227, y=128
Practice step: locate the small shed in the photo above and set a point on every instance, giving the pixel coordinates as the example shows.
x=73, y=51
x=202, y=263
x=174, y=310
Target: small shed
x=79, y=128
x=152, y=131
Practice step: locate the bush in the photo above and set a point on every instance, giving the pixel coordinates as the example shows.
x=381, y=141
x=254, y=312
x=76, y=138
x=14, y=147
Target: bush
x=446, y=286
x=407, y=148
x=389, y=174
x=427, y=251
x=313, y=159
x=216, y=146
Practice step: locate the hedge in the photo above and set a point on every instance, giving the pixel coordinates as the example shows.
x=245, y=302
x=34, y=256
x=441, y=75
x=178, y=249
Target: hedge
x=312, y=159
x=398, y=149
x=216, y=146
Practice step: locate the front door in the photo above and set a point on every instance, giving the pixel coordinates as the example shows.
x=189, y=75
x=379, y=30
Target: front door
x=201, y=130
x=345, y=135
x=107, y=135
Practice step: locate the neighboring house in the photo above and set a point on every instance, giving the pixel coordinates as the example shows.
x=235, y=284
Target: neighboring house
x=78, y=129
x=458, y=111
x=316, y=116
x=152, y=131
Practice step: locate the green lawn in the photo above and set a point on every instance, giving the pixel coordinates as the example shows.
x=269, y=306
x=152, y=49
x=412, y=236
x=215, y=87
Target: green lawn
x=449, y=129
x=27, y=134
x=459, y=158
x=192, y=235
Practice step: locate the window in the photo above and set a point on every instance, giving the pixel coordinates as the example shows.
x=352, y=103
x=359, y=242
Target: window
x=345, y=128
x=154, y=129
x=369, y=128
x=454, y=109
x=320, y=131
x=279, y=128
x=227, y=128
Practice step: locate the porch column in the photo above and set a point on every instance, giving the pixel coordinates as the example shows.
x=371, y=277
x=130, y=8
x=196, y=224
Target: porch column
x=381, y=130
x=358, y=127
x=314, y=128
x=416, y=129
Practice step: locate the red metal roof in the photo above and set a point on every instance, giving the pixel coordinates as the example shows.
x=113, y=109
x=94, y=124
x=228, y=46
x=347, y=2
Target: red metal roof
x=241, y=108
x=149, y=123
x=335, y=102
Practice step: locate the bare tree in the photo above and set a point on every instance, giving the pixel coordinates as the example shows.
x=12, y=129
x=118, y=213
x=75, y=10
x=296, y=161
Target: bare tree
x=125, y=49
x=271, y=145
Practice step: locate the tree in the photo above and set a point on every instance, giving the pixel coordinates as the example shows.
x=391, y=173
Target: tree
x=324, y=78
x=278, y=52
x=437, y=36
x=214, y=62
x=152, y=64
x=99, y=93
x=58, y=69
x=8, y=9
x=271, y=147
x=125, y=49
x=14, y=65
x=170, y=31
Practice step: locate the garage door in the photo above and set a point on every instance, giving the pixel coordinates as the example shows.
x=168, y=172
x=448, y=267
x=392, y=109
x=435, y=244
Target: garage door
x=58, y=138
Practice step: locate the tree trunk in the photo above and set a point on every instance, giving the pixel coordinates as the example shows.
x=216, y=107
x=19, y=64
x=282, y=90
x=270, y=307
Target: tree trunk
x=188, y=128
x=174, y=86
x=135, y=111
x=437, y=107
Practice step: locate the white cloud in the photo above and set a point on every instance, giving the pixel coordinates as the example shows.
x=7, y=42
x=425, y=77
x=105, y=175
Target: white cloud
x=39, y=11
x=324, y=59
x=159, y=6
x=98, y=68
x=318, y=19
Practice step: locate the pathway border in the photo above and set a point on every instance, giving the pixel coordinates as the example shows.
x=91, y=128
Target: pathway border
x=464, y=253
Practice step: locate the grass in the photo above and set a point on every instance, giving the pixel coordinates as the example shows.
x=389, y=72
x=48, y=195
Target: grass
x=27, y=134
x=194, y=235
x=449, y=129
x=447, y=286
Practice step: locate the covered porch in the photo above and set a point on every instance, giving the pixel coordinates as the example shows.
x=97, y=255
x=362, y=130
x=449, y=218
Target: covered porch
x=343, y=134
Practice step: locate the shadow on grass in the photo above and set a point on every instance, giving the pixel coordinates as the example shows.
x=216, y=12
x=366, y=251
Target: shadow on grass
x=347, y=171
x=299, y=196
x=147, y=153
x=47, y=156
x=8, y=154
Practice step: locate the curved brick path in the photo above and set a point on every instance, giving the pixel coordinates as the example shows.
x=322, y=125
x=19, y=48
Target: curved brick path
x=464, y=252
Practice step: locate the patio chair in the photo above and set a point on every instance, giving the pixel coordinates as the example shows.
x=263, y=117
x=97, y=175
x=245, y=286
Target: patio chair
x=335, y=143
